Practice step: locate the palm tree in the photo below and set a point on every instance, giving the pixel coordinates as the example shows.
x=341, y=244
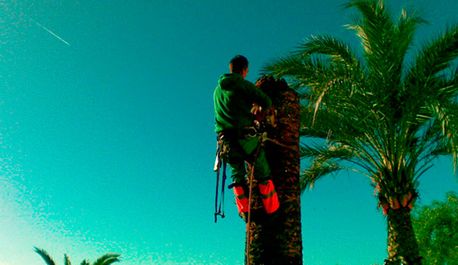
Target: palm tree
x=106, y=259
x=379, y=114
x=276, y=239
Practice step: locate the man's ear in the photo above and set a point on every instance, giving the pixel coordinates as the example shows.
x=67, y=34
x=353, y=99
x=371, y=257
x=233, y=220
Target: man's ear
x=245, y=72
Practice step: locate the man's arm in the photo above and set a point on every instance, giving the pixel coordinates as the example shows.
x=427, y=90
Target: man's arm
x=257, y=96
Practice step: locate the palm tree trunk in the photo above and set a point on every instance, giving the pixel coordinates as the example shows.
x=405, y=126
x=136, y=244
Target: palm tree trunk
x=277, y=239
x=402, y=244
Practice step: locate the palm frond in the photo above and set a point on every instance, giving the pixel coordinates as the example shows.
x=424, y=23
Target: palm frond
x=326, y=152
x=326, y=159
x=67, y=260
x=308, y=70
x=434, y=58
x=85, y=262
x=327, y=45
x=45, y=256
x=451, y=136
x=292, y=65
x=406, y=29
x=383, y=41
x=374, y=25
x=316, y=123
x=107, y=259
x=315, y=172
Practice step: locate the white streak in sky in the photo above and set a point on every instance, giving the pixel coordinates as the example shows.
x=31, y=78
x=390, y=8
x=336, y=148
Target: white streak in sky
x=51, y=32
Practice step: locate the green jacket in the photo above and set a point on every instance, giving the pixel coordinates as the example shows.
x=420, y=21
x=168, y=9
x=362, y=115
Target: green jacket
x=233, y=99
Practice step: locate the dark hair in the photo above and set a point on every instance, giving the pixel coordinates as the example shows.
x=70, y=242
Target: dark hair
x=238, y=63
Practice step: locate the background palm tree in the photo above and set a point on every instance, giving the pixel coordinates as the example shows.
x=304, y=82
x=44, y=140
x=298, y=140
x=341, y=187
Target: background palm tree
x=106, y=259
x=380, y=114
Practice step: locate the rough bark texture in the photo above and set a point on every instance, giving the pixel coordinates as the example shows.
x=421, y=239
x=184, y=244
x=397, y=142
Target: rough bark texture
x=402, y=244
x=277, y=239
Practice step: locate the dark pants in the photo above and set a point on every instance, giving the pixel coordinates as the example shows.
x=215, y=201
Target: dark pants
x=244, y=150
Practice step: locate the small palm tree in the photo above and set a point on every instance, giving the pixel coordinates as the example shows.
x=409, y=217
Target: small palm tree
x=106, y=259
x=381, y=115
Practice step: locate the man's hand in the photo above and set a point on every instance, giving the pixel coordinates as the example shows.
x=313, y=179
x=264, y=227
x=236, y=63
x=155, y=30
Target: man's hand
x=264, y=116
x=256, y=109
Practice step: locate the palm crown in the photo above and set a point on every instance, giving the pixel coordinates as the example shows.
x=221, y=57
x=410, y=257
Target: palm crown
x=388, y=120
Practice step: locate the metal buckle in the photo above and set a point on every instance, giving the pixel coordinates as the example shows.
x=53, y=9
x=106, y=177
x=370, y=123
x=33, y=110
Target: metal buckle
x=250, y=132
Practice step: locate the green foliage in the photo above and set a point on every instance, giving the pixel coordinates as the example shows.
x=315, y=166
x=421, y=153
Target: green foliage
x=436, y=228
x=106, y=259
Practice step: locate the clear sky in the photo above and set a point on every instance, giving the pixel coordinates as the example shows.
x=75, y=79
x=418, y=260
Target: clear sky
x=106, y=130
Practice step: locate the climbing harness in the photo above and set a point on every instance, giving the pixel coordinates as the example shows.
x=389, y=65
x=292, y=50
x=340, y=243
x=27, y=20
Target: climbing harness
x=220, y=169
x=220, y=166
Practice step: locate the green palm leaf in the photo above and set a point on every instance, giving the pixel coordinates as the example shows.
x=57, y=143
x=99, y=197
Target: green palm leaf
x=325, y=161
x=45, y=256
x=315, y=172
x=328, y=45
x=434, y=58
x=107, y=259
x=67, y=260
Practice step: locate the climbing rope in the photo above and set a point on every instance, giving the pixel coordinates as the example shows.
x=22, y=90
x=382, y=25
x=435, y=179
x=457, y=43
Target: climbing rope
x=291, y=147
x=250, y=192
x=262, y=139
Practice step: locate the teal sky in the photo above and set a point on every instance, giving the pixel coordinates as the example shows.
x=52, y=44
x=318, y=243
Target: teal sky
x=106, y=130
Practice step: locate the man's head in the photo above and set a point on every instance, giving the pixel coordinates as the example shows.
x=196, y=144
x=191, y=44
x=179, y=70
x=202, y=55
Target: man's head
x=239, y=65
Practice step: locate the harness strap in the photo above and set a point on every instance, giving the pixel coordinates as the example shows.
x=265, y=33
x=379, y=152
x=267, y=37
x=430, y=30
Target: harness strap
x=220, y=163
x=219, y=202
x=223, y=185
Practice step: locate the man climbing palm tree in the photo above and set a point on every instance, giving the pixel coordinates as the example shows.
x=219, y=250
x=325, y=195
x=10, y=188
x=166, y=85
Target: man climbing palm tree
x=239, y=140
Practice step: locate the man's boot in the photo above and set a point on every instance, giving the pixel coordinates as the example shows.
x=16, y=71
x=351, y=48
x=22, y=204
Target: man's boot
x=269, y=196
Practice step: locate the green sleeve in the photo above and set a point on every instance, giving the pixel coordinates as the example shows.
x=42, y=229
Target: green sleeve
x=257, y=95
